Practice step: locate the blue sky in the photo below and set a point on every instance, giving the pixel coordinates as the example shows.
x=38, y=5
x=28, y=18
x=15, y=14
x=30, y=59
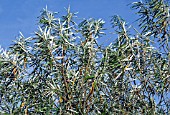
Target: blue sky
x=21, y=15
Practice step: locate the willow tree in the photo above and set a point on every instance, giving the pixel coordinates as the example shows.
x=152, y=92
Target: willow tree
x=63, y=69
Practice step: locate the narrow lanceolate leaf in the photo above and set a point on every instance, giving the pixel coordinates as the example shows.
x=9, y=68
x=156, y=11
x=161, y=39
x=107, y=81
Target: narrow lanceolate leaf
x=59, y=57
x=89, y=77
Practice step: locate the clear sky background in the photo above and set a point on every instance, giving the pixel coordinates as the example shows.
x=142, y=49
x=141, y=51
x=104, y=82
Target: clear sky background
x=21, y=15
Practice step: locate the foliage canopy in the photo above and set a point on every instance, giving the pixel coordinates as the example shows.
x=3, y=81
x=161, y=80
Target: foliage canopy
x=63, y=69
